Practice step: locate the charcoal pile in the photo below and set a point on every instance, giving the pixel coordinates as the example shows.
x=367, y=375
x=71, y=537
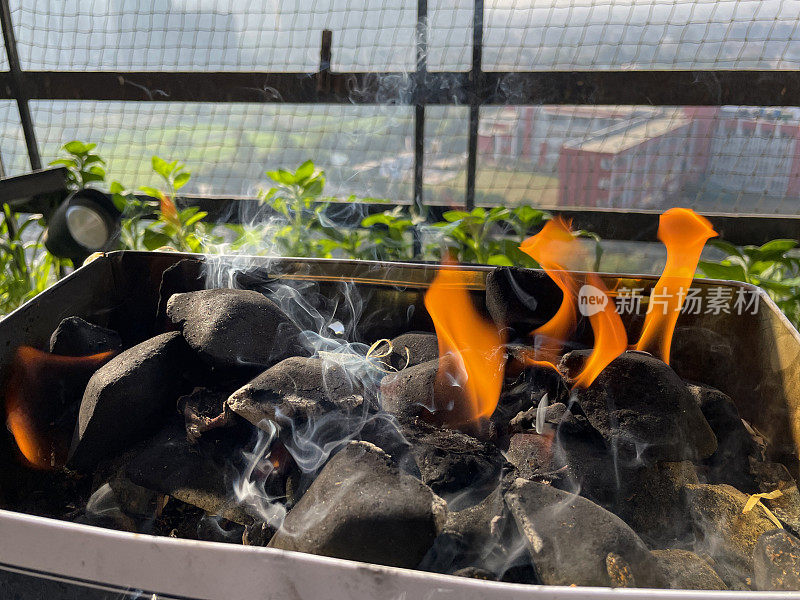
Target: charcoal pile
x=240, y=422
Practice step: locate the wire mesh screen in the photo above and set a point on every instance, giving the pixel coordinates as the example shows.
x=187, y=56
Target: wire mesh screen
x=228, y=147
x=203, y=35
x=641, y=34
x=718, y=158
x=737, y=159
x=13, y=154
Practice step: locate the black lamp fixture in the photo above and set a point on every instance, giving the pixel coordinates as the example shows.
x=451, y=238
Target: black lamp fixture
x=78, y=223
x=85, y=222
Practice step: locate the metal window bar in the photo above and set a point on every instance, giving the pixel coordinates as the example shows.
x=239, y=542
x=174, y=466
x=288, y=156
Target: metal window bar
x=474, y=88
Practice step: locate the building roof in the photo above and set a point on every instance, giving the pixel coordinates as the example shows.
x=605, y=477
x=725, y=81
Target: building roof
x=615, y=139
x=596, y=112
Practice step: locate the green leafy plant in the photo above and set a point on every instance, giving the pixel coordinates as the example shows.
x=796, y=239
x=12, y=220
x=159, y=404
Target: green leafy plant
x=294, y=199
x=472, y=236
x=85, y=166
x=390, y=234
x=27, y=267
x=774, y=266
x=182, y=229
x=491, y=236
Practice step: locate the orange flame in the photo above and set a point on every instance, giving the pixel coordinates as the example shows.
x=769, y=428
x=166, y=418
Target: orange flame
x=34, y=402
x=684, y=233
x=610, y=338
x=552, y=248
x=474, y=344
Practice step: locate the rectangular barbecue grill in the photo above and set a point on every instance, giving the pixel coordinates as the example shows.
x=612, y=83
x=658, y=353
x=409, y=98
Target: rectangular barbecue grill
x=41, y=557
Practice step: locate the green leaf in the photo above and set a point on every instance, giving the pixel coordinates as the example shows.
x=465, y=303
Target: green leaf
x=454, y=215
x=304, y=171
x=181, y=180
x=778, y=245
x=718, y=271
x=154, y=239
x=93, y=158
x=116, y=187
x=67, y=162
x=500, y=260
x=726, y=247
x=195, y=218
x=283, y=176
x=779, y=287
x=88, y=177
x=161, y=167
x=119, y=202
x=377, y=219
x=314, y=188
x=78, y=148
x=498, y=213
x=151, y=191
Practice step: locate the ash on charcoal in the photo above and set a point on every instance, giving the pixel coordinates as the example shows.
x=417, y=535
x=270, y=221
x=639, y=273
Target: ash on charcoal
x=735, y=446
x=295, y=391
x=362, y=507
x=76, y=337
x=723, y=531
x=127, y=399
x=619, y=571
x=136, y=500
x=235, y=329
x=553, y=417
x=685, y=570
x=104, y=509
x=184, y=521
x=121, y=504
x=777, y=561
x=204, y=411
x=521, y=299
x=257, y=534
x=456, y=466
x=652, y=502
x=570, y=539
x=524, y=393
x=187, y=275
x=482, y=538
x=701, y=355
x=640, y=405
x=410, y=393
x=420, y=393
x=771, y=476
x=169, y=464
x=475, y=573
x=574, y=462
x=408, y=350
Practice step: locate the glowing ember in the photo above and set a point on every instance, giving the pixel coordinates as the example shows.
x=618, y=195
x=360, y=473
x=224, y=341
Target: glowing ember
x=36, y=402
x=474, y=345
x=684, y=233
x=553, y=247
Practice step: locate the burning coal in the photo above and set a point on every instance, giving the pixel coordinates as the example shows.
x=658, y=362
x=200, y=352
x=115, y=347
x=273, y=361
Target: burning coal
x=41, y=393
x=474, y=345
x=553, y=248
x=501, y=433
